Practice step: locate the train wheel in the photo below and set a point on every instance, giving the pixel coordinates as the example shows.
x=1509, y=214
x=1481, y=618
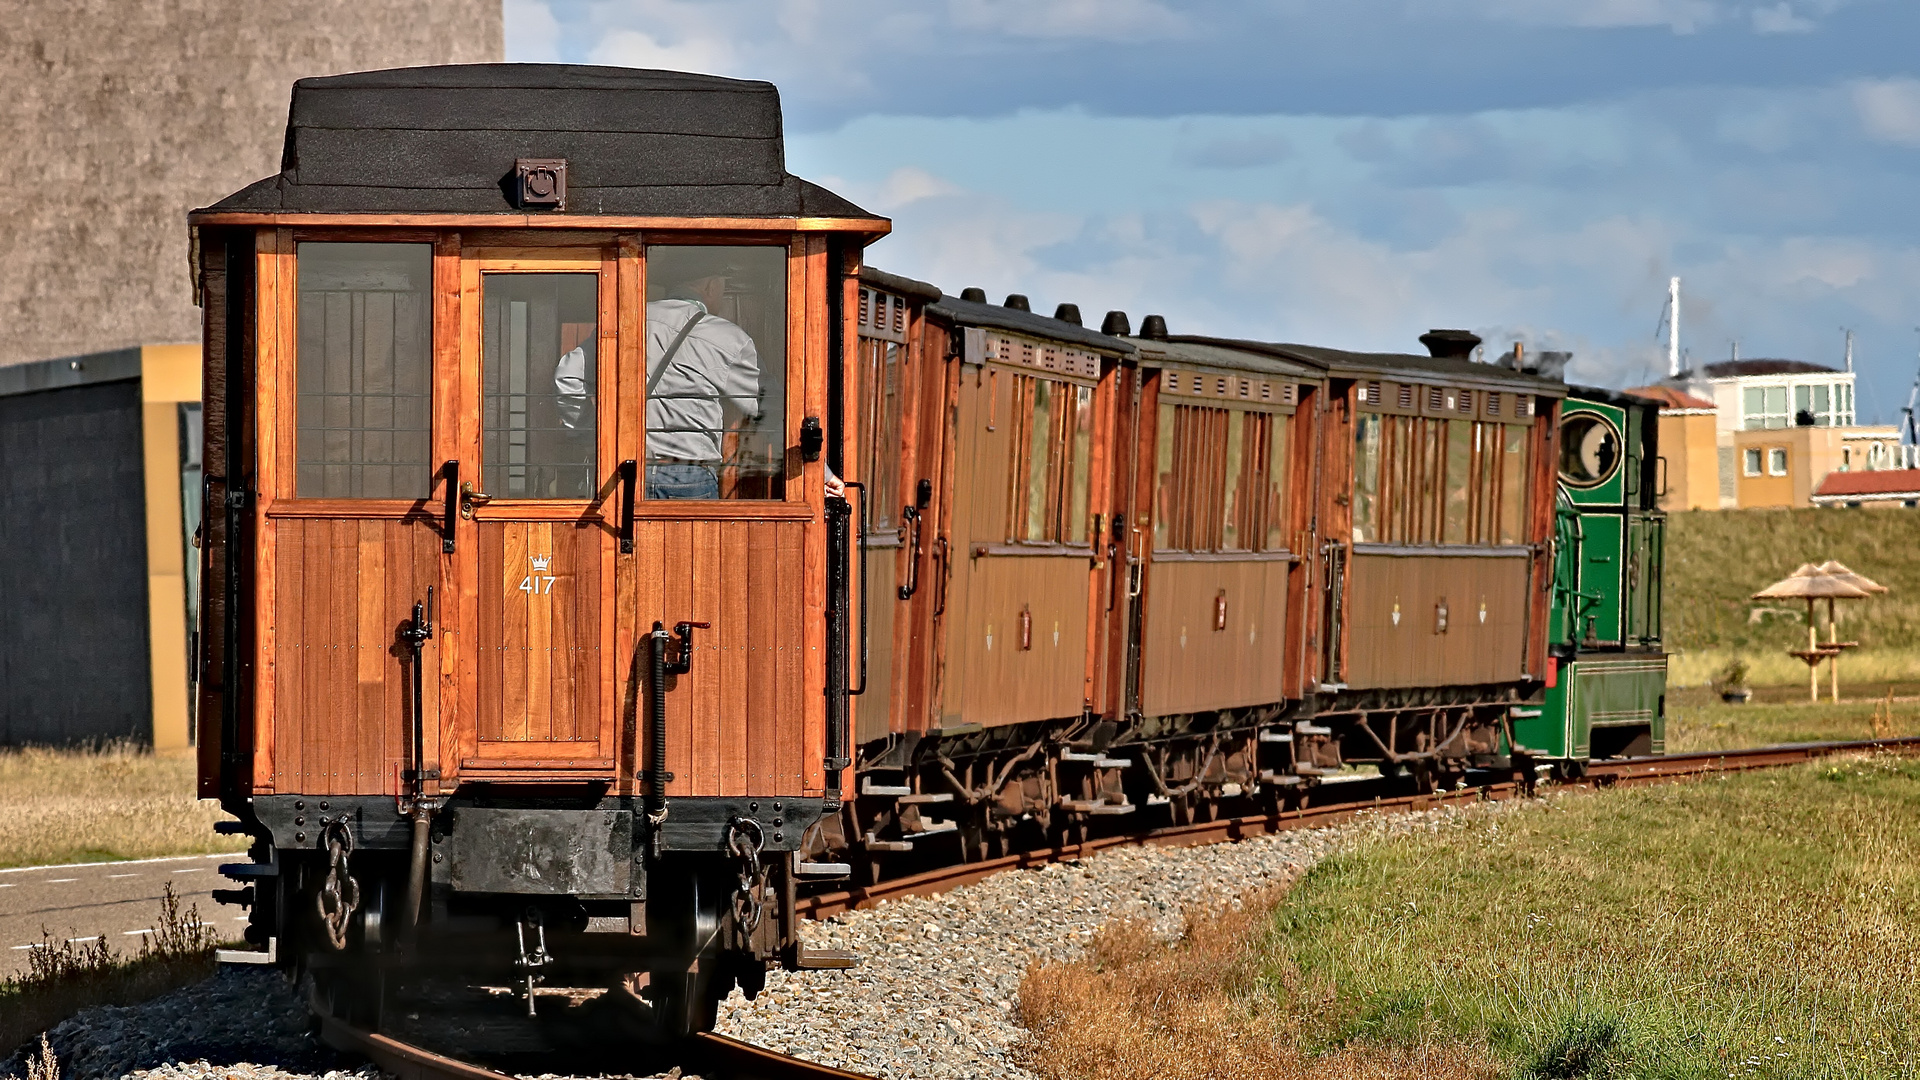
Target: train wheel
x=684, y=1002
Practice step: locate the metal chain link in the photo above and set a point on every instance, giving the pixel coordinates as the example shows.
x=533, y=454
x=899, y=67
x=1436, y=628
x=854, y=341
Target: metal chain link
x=339, y=894
x=745, y=839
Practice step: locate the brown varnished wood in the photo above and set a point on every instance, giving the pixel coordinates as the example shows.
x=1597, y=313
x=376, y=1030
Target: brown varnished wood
x=1412, y=653
x=763, y=655
x=709, y=666
x=676, y=605
x=732, y=659
x=795, y=658
x=1193, y=667
x=270, y=356
x=813, y=734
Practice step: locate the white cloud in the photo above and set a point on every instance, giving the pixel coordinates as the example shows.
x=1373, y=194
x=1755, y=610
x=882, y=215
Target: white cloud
x=709, y=55
x=532, y=33
x=1092, y=20
x=910, y=184
x=1780, y=19
x=1889, y=110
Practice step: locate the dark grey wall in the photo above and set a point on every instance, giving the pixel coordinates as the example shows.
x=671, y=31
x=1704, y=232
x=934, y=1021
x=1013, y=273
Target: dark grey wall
x=73, y=561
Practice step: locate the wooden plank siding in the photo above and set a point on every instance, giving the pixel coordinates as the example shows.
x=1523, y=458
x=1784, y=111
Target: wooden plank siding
x=1194, y=667
x=343, y=710
x=1410, y=650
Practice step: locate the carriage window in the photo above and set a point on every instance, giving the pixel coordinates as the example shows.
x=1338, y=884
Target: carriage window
x=1220, y=473
x=1052, y=439
x=363, y=368
x=1366, y=478
x=1459, y=474
x=1513, y=485
x=538, y=363
x=880, y=427
x=716, y=372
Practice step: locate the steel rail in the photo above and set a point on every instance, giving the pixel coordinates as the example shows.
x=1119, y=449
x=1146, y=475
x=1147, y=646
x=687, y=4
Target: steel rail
x=728, y=1057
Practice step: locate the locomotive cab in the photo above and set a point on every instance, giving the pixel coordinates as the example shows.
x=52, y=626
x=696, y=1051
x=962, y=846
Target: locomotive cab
x=526, y=645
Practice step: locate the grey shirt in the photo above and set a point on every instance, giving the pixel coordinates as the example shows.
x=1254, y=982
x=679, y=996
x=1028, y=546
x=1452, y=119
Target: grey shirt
x=712, y=382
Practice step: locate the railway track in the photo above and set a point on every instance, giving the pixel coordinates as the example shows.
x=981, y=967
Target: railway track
x=714, y=1055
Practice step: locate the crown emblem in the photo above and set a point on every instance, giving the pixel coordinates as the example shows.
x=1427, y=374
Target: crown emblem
x=540, y=562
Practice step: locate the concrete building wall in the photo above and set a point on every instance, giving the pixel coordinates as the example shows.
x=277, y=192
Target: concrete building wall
x=1690, y=444
x=125, y=114
x=1811, y=453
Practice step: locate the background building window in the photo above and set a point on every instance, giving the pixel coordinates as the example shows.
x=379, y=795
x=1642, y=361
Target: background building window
x=1765, y=407
x=1752, y=463
x=1776, y=461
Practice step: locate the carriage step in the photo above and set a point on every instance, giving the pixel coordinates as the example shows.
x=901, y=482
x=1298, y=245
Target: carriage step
x=1276, y=737
x=1098, y=761
x=248, y=871
x=1095, y=807
x=868, y=787
x=1304, y=728
x=935, y=828
x=823, y=959
x=823, y=869
x=875, y=844
x=1281, y=779
x=926, y=797
x=231, y=828
x=236, y=897
x=249, y=956
x=1301, y=769
x=1158, y=800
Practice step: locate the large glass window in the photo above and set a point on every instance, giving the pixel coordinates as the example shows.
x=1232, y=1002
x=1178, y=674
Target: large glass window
x=880, y=427
x=716, y=372
x=1764, y=407
x=363, y=370
x=1420, y=480
x=1459, y=482
x=539, y=367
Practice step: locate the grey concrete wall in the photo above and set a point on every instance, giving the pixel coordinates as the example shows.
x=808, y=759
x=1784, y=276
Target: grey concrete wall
x=73, y=566
x=119, y=116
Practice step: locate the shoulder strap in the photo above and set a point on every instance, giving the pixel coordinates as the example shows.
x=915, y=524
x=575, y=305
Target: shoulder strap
x=667, y=359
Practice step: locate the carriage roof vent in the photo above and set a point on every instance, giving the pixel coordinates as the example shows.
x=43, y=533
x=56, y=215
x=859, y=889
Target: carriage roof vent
x=1017, y=302
x=1117, y=324
x=1153, y=328
x=1068, y=313
x=978, y=296
x=1450, y=344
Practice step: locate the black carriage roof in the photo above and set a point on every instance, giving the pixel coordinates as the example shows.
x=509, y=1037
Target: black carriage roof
x=1192, y=351
x=1346, y=364
x=905, y=286
x=974, y=313
x=444, y=140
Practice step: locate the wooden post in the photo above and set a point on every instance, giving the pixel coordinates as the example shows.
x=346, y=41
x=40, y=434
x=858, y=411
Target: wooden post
x=1813, y=660
x=1833, y=639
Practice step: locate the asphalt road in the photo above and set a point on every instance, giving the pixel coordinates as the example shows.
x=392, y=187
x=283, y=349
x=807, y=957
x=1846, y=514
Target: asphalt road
x=118, y=899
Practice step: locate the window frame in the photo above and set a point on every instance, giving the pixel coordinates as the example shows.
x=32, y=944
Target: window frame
x=1439, y=467
x=1219, y=468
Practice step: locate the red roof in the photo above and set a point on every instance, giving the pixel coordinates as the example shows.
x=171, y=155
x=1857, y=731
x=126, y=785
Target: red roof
x=1669, y=398
x=1872, y=482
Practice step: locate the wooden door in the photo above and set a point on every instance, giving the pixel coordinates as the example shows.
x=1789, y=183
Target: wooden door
x=539, y=505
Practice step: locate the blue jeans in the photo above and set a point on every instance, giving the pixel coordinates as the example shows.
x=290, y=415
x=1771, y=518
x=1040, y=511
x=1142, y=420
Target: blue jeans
x=682, y=482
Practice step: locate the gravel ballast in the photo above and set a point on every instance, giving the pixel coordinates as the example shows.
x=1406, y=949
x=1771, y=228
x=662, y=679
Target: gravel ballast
x=932, y=996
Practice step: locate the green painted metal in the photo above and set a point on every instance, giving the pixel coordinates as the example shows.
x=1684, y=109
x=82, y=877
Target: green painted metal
x=1602, y=575
x=1594, y=432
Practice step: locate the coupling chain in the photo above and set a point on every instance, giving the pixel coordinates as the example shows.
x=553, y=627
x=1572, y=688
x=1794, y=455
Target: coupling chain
x=745, y=839
x=339, y=893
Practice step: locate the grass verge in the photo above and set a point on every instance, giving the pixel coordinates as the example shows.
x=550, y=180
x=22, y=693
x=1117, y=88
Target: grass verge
x=1756, y=925
x=116, y=802
x=64, y=977
x=1700, y=721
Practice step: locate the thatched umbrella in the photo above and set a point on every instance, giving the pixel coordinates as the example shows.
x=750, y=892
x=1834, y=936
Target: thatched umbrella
x=1834, y=568
x=1838, y=570
x=1809, y=584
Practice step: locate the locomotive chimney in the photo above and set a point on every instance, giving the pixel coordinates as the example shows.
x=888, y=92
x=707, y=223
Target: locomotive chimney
x=1153, y=328
x=1450, y=344
x=1116, y=323
x=1068, y=313
x=1017, y=302
x=978, y=296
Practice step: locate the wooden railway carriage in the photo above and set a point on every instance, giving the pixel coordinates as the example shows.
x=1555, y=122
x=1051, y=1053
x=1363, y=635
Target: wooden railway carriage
x=526, y=624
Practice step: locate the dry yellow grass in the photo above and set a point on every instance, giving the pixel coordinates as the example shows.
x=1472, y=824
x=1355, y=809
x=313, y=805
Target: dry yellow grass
x=97, y=805
x=1136, y=1006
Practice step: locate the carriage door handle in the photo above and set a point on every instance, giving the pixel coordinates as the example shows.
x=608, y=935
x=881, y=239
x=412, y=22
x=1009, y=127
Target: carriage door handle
x=471, y=499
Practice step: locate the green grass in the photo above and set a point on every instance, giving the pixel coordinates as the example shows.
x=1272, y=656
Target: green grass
x=1697, y=720
x=1716, y=559
x=1763, y=925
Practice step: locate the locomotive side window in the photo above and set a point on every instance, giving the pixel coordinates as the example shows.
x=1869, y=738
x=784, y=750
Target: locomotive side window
x=1053, y=451
x=716, y=372
x=539, y=372
x=363, y=368
x=1589, y=450
x=1220, y=473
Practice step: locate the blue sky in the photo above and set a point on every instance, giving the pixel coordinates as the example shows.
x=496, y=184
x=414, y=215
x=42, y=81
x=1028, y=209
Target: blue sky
x=1352, y=173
